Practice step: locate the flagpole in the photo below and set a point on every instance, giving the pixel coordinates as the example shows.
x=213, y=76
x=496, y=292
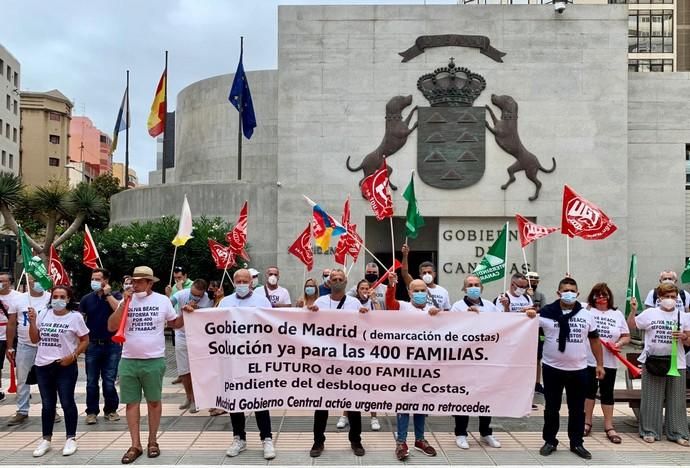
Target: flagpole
x=126, y=174
x=369, y=252
x=524, y=259
x=172, y=268
x=505, y=260
x=165, y=116
x=239, y=121
x=19, y=283
x=392, y=242
x=567, y=256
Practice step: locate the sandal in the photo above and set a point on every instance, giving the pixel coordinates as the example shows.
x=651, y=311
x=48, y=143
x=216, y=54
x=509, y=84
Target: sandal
x=649, y=439
x=615, y=438
x=683, y=442
x=588, y=429
x=152, y=450
x=130, y=455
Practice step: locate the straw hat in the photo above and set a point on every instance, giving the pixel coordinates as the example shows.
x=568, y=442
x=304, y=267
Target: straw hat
x=144, y=272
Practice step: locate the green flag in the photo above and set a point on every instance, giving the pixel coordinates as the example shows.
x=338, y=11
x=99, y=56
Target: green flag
x=493, y=265
x=685, y=277
x=33, y=265
x=414, y=220
x=633, y=289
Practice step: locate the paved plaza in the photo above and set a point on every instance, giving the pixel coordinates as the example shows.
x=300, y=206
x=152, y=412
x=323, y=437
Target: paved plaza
x=198, y=439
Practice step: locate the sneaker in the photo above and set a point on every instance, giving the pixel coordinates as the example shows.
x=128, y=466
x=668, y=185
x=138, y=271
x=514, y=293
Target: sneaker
x=70, y=447
x=238, y=445
x=342, y=422
x=316, y=450
x=401, y=451
x=2, y=396
x=185, y=405
x=357, y=448
x=423, y=446
x=461, y=441
x=216, y=412
x=491, y=441
x=58, y=418
x=177, y=380
x=534, y=407
x=42, y=448
x=538, y=388
x=375, y=425
x=269, y=450
x=112, y=416
x=91, y=419
x=193, y=408
x=17, y=419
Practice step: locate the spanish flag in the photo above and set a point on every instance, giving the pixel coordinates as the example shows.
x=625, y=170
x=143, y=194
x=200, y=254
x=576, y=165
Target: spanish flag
x=159, y=108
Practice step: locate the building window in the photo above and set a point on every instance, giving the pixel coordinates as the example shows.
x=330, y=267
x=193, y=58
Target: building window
x=11, y=160
x=16, y=80
x=2, y=67
x=650, y=31
x=8, y=102
x=687, y=166
x=4, y=158
x=104, y=138
x=668, y=2
x=9, y=73
x=54, y=116
x=54, y=139
x=7, y=130
x=16, y=107
x=55, y=162
x=14, y=135
x=650, y=65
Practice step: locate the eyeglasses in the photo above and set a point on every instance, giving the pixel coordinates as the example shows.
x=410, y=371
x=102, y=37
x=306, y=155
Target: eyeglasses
x=178, y=269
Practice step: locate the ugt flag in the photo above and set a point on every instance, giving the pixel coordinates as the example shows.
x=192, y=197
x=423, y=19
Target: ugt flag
x=493, y=266
x=375, y=189
x=583, y=218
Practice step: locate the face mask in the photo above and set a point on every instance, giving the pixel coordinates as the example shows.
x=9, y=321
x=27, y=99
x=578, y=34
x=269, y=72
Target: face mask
x=568, y=297
x=363, y=301
x=473, y=292
x=59, y=304
x=272, y=280
x=338, y=287
x=255, y=282
x=38, y=288
x=419, y=298
x=141, y=294
x=520, y=291
x=211, y=295
x=2, y=285
x=668, y=303
x=194, y=298
x=371, y=277
x=667, y=281
x=241, y=290
x=309, y=290
x=95, y=285
x=427, y=278
x=128, y=286
x=601, y=301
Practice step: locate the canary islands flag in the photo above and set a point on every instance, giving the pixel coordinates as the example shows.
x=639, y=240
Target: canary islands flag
x=122, y=121
x=325, y=226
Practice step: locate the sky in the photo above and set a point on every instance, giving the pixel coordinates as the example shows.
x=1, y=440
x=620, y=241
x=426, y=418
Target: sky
x=84, y=47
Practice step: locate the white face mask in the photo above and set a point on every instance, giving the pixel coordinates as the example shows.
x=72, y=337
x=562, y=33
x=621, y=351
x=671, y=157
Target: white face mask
x=272, y=280
x=141, y=294
x=255, y=282
x=427, y=278
x=667, y=281
x=668, y=303
x=520, y=291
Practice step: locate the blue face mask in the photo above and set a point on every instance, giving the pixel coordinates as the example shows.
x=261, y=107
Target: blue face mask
x=568, y=297
x=473, y=292
x=241, y=290
x=59, y=304
x=194, y=298
x=419, y=298
x=95, y=285
x=310, y=290
x=38, y=288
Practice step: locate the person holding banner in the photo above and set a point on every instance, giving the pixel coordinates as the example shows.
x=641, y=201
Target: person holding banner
x=665, y=328
x=142, y=366
x=418, y=292
x=245, y=296
x=516, y=298
x=473, y=302
x=215, y=292
x=310, y=293
x=24, y=356
x=277, y=295
x=437, y=295
x=570, y=332
x=337, y=299
x=613, y=328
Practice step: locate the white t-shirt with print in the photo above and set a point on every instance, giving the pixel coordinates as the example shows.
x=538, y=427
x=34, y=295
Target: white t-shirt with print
x=440, y=295
x=378, y=296
x=181, y=299
x=9, y=301
x=325, y=302
x=59, y=335
x=256, y=299
x=517, y=303
x=277, y=296
x=408, y=307
x=611, y=325
x=680, y=306
x=21, y=310
x=658, y=326
x=145, y=328
x=484, y=306
x=575, y=355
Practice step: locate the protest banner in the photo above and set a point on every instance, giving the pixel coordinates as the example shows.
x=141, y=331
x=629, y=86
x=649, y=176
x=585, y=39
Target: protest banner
x=245, y=359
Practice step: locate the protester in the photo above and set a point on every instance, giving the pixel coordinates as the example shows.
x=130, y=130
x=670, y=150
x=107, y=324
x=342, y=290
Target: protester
x=8, y=300
x=437, y=295
x=102, y=355
x=215, y=292
x=62, y=336
x=516, y=298
x=277, y=295
x=418, y=292
x=245, y=296
x=661, y=325
x=371, y=274
x=612, y=327
x=310, y=292
x=473, y=302
x=255, y=278
x=682, y=300
x=187, y=300
x=570, y=331
x=182, y=282
x=25, y=354
x=337, y=299
x=325, y=286
x=143, y=357
x=538, y=300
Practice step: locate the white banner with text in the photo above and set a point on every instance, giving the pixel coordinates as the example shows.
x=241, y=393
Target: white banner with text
x=245, y=359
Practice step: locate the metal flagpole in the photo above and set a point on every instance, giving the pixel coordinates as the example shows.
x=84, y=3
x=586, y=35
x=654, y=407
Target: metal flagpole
x=165, y=114
x=126, y=174
x=173, y=267
x=239, y=119
x=524, y=259
x=505, y=261
x=567, y=256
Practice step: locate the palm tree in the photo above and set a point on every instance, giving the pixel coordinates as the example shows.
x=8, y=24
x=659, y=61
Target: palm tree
x=51, y=205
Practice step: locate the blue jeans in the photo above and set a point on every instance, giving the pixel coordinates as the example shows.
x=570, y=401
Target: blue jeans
x=56, y=381
x=403, y=420
x=102, y=360
x=24, y=358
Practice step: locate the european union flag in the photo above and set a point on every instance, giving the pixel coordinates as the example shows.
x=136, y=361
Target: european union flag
x=241, y=98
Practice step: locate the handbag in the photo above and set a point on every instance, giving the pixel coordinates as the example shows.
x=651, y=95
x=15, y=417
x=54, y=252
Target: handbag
x=31, y=377
x=658, y=365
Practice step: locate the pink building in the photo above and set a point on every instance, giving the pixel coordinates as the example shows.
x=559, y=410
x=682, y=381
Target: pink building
x=89, y=145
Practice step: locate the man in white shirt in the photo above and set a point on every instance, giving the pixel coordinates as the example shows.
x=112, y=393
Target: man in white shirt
x=371, y=274
x=683, y=299
x=245, y=296
x=277, y=295
x=8, y=299
x=25, y=354
x=143, y=356
x=438, y=295
x=516, y=298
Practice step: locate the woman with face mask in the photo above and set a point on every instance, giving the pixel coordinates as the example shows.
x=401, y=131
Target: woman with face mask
x=310, y=293
x=61, y=336
x=662, y=325
x=612, y=328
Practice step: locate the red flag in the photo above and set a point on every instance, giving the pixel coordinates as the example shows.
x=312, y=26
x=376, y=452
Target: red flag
x=222, y=256
x=354, y=242
x=90, y=253
x=583, y=218
x=342, y=249
x=396, y=265
x=375, y=188
x=301, y=248
x=529, y=232
x=56, y=270
x=237, y=237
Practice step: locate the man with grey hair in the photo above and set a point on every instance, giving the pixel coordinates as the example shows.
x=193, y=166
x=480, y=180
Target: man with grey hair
x=682, y=300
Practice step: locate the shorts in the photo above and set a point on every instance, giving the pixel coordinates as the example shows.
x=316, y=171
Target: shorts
x=181, y=356
x=3, y=350
x=137, y=375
